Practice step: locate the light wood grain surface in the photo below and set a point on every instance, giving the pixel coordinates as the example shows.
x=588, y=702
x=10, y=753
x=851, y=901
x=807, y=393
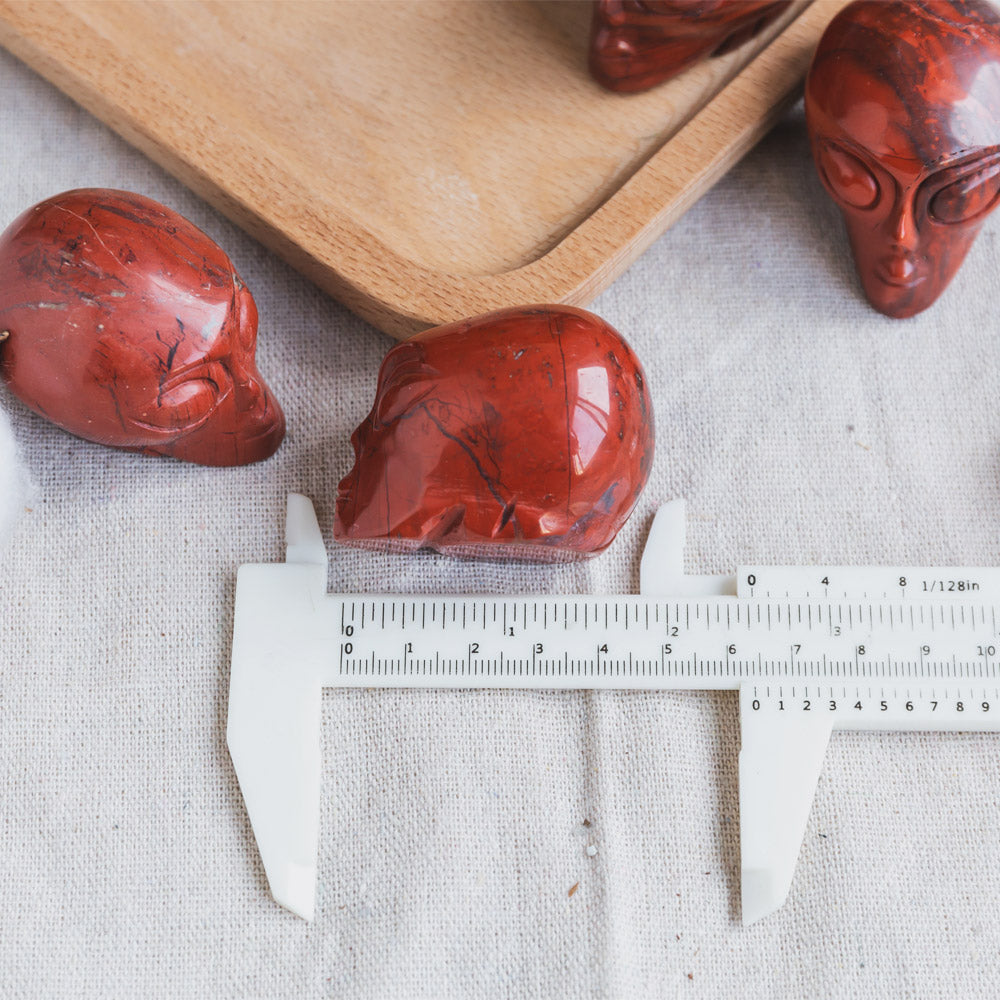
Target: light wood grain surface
x=421, y=160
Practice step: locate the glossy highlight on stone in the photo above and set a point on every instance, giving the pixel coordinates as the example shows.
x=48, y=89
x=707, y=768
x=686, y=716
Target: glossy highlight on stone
x=903, y=111
x=636, y=44
x=526, y=433
x=125, y=324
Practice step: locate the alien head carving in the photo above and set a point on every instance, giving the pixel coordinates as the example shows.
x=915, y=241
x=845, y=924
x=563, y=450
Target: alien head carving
x=636, y=44
x=127, y=325
x=526, y=433
x=903, y=110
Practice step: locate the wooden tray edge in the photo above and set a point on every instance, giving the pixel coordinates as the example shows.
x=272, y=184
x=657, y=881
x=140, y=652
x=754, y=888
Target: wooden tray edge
x=398, y=295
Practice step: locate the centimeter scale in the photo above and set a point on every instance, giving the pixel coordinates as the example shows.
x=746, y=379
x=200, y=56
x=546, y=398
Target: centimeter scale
x=809, y=649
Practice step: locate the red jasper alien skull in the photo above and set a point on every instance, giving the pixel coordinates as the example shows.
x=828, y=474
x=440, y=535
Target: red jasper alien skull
x=526, y=433
x=903, y=110
x=636, y=44
x=127, y=325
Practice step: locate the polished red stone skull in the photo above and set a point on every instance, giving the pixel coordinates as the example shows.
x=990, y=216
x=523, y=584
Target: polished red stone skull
x=526, y=433
x=636, y=44
x=126, y=325
x=903, y=110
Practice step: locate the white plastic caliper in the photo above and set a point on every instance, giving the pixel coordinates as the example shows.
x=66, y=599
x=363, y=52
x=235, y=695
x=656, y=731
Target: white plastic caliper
x=809, y=650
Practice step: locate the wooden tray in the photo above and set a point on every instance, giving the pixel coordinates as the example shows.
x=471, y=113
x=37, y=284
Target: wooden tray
x=421, y=160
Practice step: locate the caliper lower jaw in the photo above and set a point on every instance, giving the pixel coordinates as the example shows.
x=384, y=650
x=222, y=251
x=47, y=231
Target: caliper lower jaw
x=780, y=764
x=275, y=705
x=780, y=759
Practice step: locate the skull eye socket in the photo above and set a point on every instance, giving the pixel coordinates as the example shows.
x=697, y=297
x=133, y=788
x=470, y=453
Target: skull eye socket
x=183, y=405
x=848, y=179
x=968, y=197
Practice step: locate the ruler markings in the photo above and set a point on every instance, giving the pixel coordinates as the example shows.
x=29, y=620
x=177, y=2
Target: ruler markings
x=894, y=638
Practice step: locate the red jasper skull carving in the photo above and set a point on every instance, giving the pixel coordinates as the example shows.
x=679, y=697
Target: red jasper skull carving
x=636, y=44
x=127, y=325
x=526, y=433
x=903, y=110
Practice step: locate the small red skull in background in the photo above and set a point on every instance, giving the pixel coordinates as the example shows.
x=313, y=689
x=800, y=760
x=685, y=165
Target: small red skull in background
x=903, y=110
x=126, y=325
x=525, y=433
x=636, y=44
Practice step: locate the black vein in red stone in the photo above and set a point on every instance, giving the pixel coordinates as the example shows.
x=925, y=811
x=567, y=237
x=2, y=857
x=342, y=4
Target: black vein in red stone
x=468, y=451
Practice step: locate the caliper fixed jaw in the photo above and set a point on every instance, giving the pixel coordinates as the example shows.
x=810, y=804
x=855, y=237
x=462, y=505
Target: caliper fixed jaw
x=275, y=705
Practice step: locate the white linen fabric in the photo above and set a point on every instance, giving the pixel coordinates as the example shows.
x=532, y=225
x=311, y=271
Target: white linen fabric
x=800, y=425
x=13, y=481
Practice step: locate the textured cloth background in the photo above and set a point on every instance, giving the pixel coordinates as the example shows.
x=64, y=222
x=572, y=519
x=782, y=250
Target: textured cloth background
x=13, y=480
x=800, y=425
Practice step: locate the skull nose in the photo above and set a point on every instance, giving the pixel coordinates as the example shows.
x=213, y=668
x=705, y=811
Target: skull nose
x=904, y=225
x=248, y=386
x=248, y=391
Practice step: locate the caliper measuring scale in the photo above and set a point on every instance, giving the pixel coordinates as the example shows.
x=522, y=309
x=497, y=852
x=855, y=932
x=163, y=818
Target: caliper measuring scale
x=809, y=649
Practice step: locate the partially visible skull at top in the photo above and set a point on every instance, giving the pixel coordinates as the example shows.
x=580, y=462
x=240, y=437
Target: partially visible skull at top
x=903, y=110
x=126, y=325
x=636, y=44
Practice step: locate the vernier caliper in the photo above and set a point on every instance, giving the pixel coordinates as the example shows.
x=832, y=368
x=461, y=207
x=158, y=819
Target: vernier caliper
x=809, y=649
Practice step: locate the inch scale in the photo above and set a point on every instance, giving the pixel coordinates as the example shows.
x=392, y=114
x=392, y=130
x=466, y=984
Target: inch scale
x=809, y=649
